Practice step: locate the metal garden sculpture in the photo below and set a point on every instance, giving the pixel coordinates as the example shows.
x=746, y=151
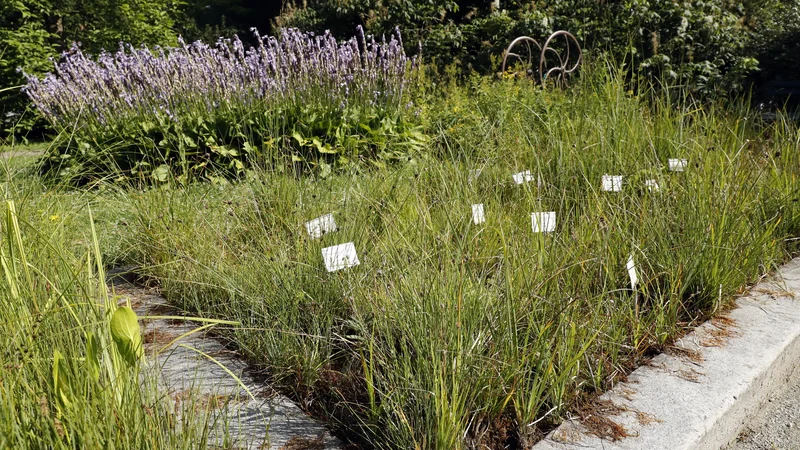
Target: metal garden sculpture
x=555, y=63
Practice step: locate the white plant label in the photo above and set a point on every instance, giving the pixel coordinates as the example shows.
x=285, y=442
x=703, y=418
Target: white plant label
x=632, y=272
x=677, y=165
x=340, y=257
x=477, y=214
x=612, y=183
x=320, y=226
x=522, y=177
x=474, y=174
x=651, y=185
x=543, y=222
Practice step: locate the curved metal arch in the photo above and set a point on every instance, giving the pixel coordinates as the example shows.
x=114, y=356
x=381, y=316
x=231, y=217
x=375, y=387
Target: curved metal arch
x=522, y=39
x=564, y=66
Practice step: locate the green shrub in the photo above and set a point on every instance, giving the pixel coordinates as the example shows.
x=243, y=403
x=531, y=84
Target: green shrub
x=33, y=32
x=700, y=44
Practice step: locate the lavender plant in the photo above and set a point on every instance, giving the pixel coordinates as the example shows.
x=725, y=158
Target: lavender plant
x=196, y=106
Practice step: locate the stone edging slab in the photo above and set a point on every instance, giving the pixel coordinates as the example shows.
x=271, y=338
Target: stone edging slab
x=267, y=422
x=699, y=395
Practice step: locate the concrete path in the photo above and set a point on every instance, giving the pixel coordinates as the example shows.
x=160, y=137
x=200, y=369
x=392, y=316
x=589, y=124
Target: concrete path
x=270, y=421
x=777, y=423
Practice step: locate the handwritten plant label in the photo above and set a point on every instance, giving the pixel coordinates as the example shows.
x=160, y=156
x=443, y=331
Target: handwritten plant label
x=474, y=174
x=522, y=177
x=543, y=222
x=632, y=272
x=677, y=165
x=477, y=214
x=612, y=183
x=321, y=225
x=651, y=185
x=340, y=257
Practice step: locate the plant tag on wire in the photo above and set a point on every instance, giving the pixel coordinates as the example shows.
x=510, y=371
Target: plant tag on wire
x=340, y=257
x=477, y=214
x=652, y=185
x=632, y=272
x=320, y=226
x=543, y=222
x=522, y=177
x=677, y=165
x=612, y=183
x=474, y=174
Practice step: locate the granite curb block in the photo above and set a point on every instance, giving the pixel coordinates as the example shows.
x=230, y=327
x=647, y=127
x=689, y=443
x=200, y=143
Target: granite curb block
x=700, y=394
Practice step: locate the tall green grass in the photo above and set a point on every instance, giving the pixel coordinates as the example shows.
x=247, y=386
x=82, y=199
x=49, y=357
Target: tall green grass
x=449, y=334
x=65, y=381
x=454, y=335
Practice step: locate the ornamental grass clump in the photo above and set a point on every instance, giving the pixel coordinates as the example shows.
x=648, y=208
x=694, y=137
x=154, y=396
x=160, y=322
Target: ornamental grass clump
x=197, y=107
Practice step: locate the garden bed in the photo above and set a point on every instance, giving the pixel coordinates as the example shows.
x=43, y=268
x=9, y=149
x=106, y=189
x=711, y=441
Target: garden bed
x=462, y=325
x=450, y=334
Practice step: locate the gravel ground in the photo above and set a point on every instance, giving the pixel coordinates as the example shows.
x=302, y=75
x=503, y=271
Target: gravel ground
x=777, y=425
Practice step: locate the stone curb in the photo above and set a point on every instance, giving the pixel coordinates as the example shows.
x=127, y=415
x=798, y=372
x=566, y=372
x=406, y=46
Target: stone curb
x=700, y=394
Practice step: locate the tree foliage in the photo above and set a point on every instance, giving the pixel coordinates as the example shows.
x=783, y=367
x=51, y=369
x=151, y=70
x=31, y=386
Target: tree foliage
x=34, y=32
x=710, y=46
x=699, y=43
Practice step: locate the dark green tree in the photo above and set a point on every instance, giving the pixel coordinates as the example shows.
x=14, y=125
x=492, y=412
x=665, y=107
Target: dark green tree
x=32, y=32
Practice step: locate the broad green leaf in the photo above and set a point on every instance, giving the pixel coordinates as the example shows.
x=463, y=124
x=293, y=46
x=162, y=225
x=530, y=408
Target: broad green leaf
x=60, y=381
x=224, y=151
x=126, y=334
x=324, y=148
x=161, y=173
x=92, y=359
x=300, y=139
x=189, y=142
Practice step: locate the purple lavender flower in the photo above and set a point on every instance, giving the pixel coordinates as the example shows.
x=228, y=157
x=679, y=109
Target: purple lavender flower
x=294, y=71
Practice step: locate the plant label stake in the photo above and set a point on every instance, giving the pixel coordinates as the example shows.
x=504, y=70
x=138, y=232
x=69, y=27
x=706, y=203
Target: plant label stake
x=522, y=177
x=474, y=174
x=651, y=185
x=632, y=272
x=321, y=225
x=677, y=165
x=340, y=257
x=543, y=222
x=612, y=183
x=477, y=214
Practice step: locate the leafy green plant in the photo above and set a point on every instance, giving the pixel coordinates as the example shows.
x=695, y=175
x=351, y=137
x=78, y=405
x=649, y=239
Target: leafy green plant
x=305, y=99
x=126, y=334
x=65, y=384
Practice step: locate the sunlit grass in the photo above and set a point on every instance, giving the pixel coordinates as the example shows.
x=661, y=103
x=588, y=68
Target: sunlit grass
x=448, y=331
x=451, y=334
